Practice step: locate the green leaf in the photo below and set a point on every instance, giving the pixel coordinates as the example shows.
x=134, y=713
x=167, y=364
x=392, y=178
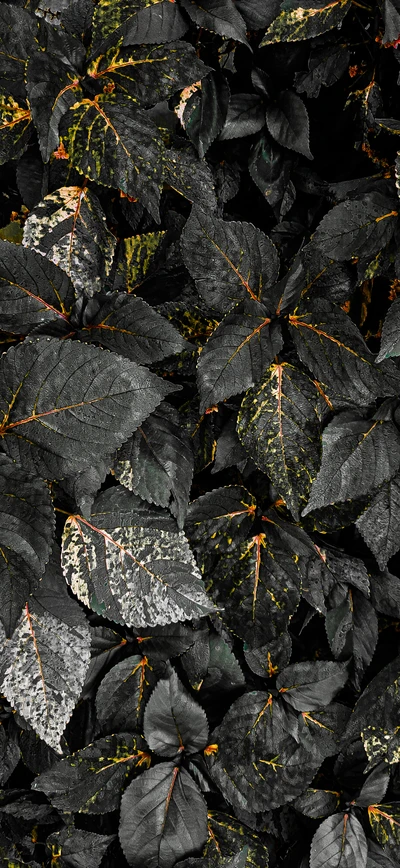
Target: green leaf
x=173, y=721
x=203, y=114
x=339, y=841
x=45, y=661
x=259, y=763
x=317, y=803
x=15, y=127
x=130, y=563
x=220, y=16
x=137, y=21
x=90, y=780
x=123, y=693
x=279, y=427
x=390, y=341
x=148, y=74
x=163, y=817
x=129, y=326
x=157, y=462
x=125, y=147
x=357, y=227
x=32, y=290
x=230, y=261
x=26, y=536
x=288, y=123
x=331, y=345
x=53, y=87
x=357, y=456
x=237, y=353
x=385, y=823
x=309, y=686
x=58, y=427
x=379, y=523
x=224, y=515
x=303, y=21
x=69, y=228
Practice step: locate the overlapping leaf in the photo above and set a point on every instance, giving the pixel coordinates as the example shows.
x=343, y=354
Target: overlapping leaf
x=223, y=515
x=220, y=16
x=229, y=261
x=279, y=426
x=302, y=21
x=288, y=123
x=134, y=259
x=26, y=536
x=15, y=127
x=163, y=817
x=130, y=563
x=42, y=425
x=379, y=523
x=52, y=87
x=357, y=227
x=17, y=41
x=376, y=713
x=308, y=686
x=125, y=146
x=45, y=661
x=173, y=721
x=141, y=21
x=385, y=823
x=339, y=840
x=203, y=114
x=69, y=228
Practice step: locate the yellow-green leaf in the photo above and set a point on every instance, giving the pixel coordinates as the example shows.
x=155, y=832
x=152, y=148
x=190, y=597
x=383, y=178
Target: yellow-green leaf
x=15, y=128
x=305, y=19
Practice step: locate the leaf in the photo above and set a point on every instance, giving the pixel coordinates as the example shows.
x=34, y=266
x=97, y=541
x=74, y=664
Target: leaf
x=45, y=661
x=224, y=515
x=352, y=628
x=259, y=763
x=44, y=424
x=90, y=780
x=317, y=803
x=123, y=693
x=245, y=116
x=390, y=342
x=203, y=114
x=326, y=65
x=10, y=755
x=378, y=858
x=223, y=671
x=288, y=123
x=15, y=127
x=309, y=686
x=76, y=848
x=385, y=823
x=69, y=228
x=130, y=562
x=267, y=169
x=17, y=41
x=259, y=584
x=229, y=261
x=237, y=353
x=53, y=87
x=129, y=326
x=32, y=290
x=279, y=427
x=220, y=16
x=311, y=19
x=357, y=227
x=140, y=21
x=331, y=345
x=125, y=148
x=375, y=716
x=163, y=817
x=26, y=536
x=374, y=788
x=148, y=75
x=226, y=836
x=156, y=463
x=173, y=721
x=190, y=177
x=357, y=456
x=391, y=18
x=339, y=841
x=378, y=524
x=134, y=259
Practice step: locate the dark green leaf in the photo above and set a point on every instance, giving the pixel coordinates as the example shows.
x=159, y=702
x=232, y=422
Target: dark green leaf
x=76, y=848
x=17, y=41
x=390, y=343
x=379, y=523
x=163, y=818
x=375, y=716
x=223, y=515
x=190, y=177
x=317, y=803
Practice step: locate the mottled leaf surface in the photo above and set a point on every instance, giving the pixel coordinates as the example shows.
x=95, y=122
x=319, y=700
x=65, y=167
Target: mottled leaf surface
x=123, y=693
x=138, y=21
x=302, y=21
x=53, y=87
x=69, y=228
x=15, y=127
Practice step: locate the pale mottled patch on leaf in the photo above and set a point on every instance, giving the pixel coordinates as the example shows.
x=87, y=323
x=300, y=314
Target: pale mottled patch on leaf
x=134, y=259
x=296, y=22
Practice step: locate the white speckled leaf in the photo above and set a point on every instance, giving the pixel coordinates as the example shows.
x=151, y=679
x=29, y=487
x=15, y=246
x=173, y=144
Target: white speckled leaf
x=130, y=564
x=44, y=664
x=69, y=228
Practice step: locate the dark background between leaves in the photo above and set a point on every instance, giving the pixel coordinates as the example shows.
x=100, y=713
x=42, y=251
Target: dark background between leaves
x=166, y=169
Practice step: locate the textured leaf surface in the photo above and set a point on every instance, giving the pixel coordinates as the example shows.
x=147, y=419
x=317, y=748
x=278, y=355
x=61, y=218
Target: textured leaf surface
x=44, y=664
x=308, y=686
x=204, y=113
x=245, y=116
x=69, y=228
x=17, y=40
x=129, y=326
x=379, y=523
x=390, y=343
x=339, y=841
x=357, y=228
x=123, y=693
x=375, y=715
x=288, y=123
x=26, y=536
x=157, y=462
x=125, y=147
x=137, y=21
x=220, y=16
x=15, y=127
x=130, y=562
x=77, y=848
x=90, y=780
x=357, y=456
x=223, y=515
x=134, y=259
x=52, y=87
x=89, y=388
x=279, y=427
x=229, y=261
x=190, y=177
x=32, y=291
x=237, y=353
x=163, y=817
x=385, y=823
x=296, y=22
x=173, y=721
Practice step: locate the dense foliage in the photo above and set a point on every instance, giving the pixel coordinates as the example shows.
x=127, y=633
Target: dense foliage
x=199, y=434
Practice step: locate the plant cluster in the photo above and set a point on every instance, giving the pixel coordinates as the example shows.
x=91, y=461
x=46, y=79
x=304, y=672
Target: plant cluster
x=199, y=434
